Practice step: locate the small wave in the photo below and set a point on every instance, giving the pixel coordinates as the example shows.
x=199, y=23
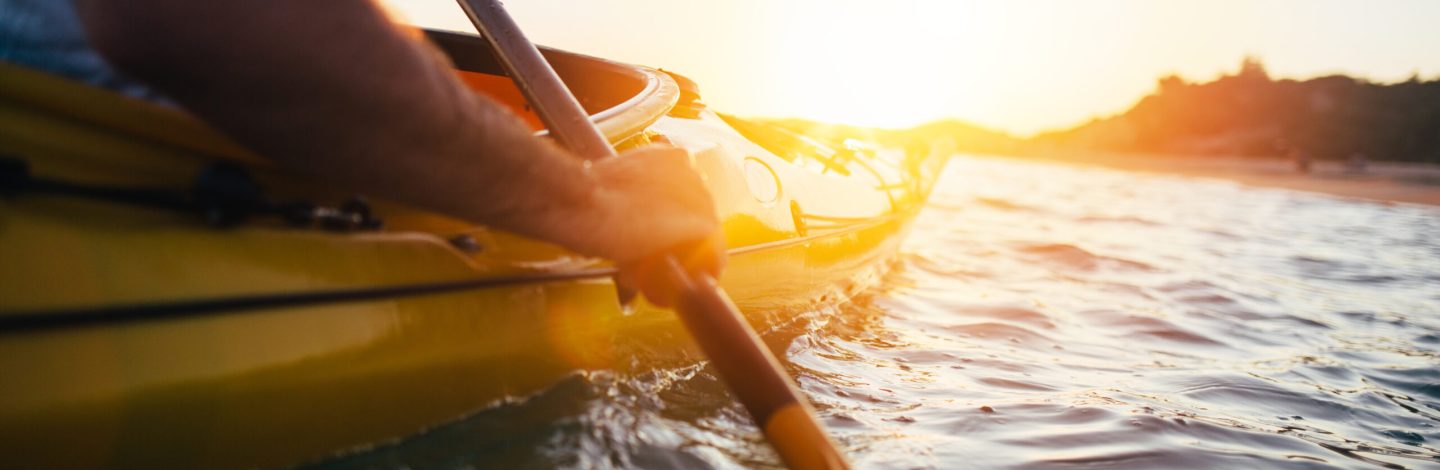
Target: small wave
x=1176, y=335
x=1013, y=314
x=1130, y=220
x=1424, y=382
x=999, y=331
x=1260, y=397
x=1073, y=257
x=1144, y=327
x=1003, y=204
x=1371, y=278
x=1014, y=384
x=1188, y=286
x=1212, y=298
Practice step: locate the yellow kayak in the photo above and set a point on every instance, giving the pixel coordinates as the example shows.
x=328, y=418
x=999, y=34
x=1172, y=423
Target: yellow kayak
x=168, y=299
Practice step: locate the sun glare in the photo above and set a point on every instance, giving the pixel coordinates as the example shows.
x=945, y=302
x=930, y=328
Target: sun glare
x=1022, y=66
x=876, y=72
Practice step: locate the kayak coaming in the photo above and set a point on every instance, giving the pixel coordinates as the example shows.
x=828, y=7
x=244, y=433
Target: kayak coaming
x=622, y=100
x=273, y=388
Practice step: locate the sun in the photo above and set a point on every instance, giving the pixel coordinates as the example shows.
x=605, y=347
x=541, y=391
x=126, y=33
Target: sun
x=853, y=63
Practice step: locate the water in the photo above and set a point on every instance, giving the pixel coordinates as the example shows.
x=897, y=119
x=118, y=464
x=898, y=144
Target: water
x=1053, y=316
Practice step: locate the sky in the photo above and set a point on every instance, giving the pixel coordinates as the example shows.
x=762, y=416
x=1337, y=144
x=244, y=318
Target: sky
x=1020, y=66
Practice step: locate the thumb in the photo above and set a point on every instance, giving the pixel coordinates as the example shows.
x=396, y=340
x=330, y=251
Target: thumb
x=652, y=277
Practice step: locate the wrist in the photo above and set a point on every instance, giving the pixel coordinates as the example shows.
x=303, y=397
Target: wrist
x=580, y=211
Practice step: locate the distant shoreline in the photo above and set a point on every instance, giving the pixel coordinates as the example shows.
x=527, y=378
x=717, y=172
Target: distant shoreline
x=1417, y=183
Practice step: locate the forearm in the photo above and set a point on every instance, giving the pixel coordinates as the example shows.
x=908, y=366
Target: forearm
x=331, y=88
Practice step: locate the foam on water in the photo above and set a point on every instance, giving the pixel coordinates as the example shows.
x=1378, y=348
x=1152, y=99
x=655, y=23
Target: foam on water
x=1053, y=316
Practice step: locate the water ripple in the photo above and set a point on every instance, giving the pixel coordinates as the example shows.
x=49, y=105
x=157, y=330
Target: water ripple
x=1045, y=316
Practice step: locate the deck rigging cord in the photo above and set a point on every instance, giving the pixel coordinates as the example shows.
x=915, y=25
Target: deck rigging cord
x=224, y=194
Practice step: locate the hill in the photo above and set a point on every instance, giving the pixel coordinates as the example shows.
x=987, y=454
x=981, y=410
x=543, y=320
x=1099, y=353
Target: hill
x=1249, y=114
x=1243, y=114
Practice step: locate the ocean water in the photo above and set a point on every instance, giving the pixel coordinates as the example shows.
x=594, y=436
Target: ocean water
x=1049, y=316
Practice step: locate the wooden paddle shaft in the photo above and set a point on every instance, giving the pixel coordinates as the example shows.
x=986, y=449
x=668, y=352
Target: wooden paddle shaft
x=744, y=362
x=753, y=374
x=567, y=122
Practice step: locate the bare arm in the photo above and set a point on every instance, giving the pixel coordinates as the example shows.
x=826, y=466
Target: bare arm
x=333, y=89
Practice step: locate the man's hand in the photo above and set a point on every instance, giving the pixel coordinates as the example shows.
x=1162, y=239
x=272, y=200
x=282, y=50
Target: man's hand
x=649, y=203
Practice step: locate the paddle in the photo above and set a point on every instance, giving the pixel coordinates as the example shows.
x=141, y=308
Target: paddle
x=746, y=365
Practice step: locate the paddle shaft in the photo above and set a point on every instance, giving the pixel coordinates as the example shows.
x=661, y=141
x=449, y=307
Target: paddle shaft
x=746, y=365
x=567, y=122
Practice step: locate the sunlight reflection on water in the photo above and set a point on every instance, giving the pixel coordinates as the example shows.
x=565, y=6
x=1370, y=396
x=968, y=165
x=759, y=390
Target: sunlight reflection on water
x=1046, y=315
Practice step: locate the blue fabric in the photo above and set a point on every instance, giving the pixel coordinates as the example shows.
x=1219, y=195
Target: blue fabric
x=46, y=35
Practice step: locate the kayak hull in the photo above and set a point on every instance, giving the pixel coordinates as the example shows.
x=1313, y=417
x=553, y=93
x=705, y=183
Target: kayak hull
x=291, y=385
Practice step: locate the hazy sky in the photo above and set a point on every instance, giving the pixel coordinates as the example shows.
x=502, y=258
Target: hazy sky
x=1017, y=65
